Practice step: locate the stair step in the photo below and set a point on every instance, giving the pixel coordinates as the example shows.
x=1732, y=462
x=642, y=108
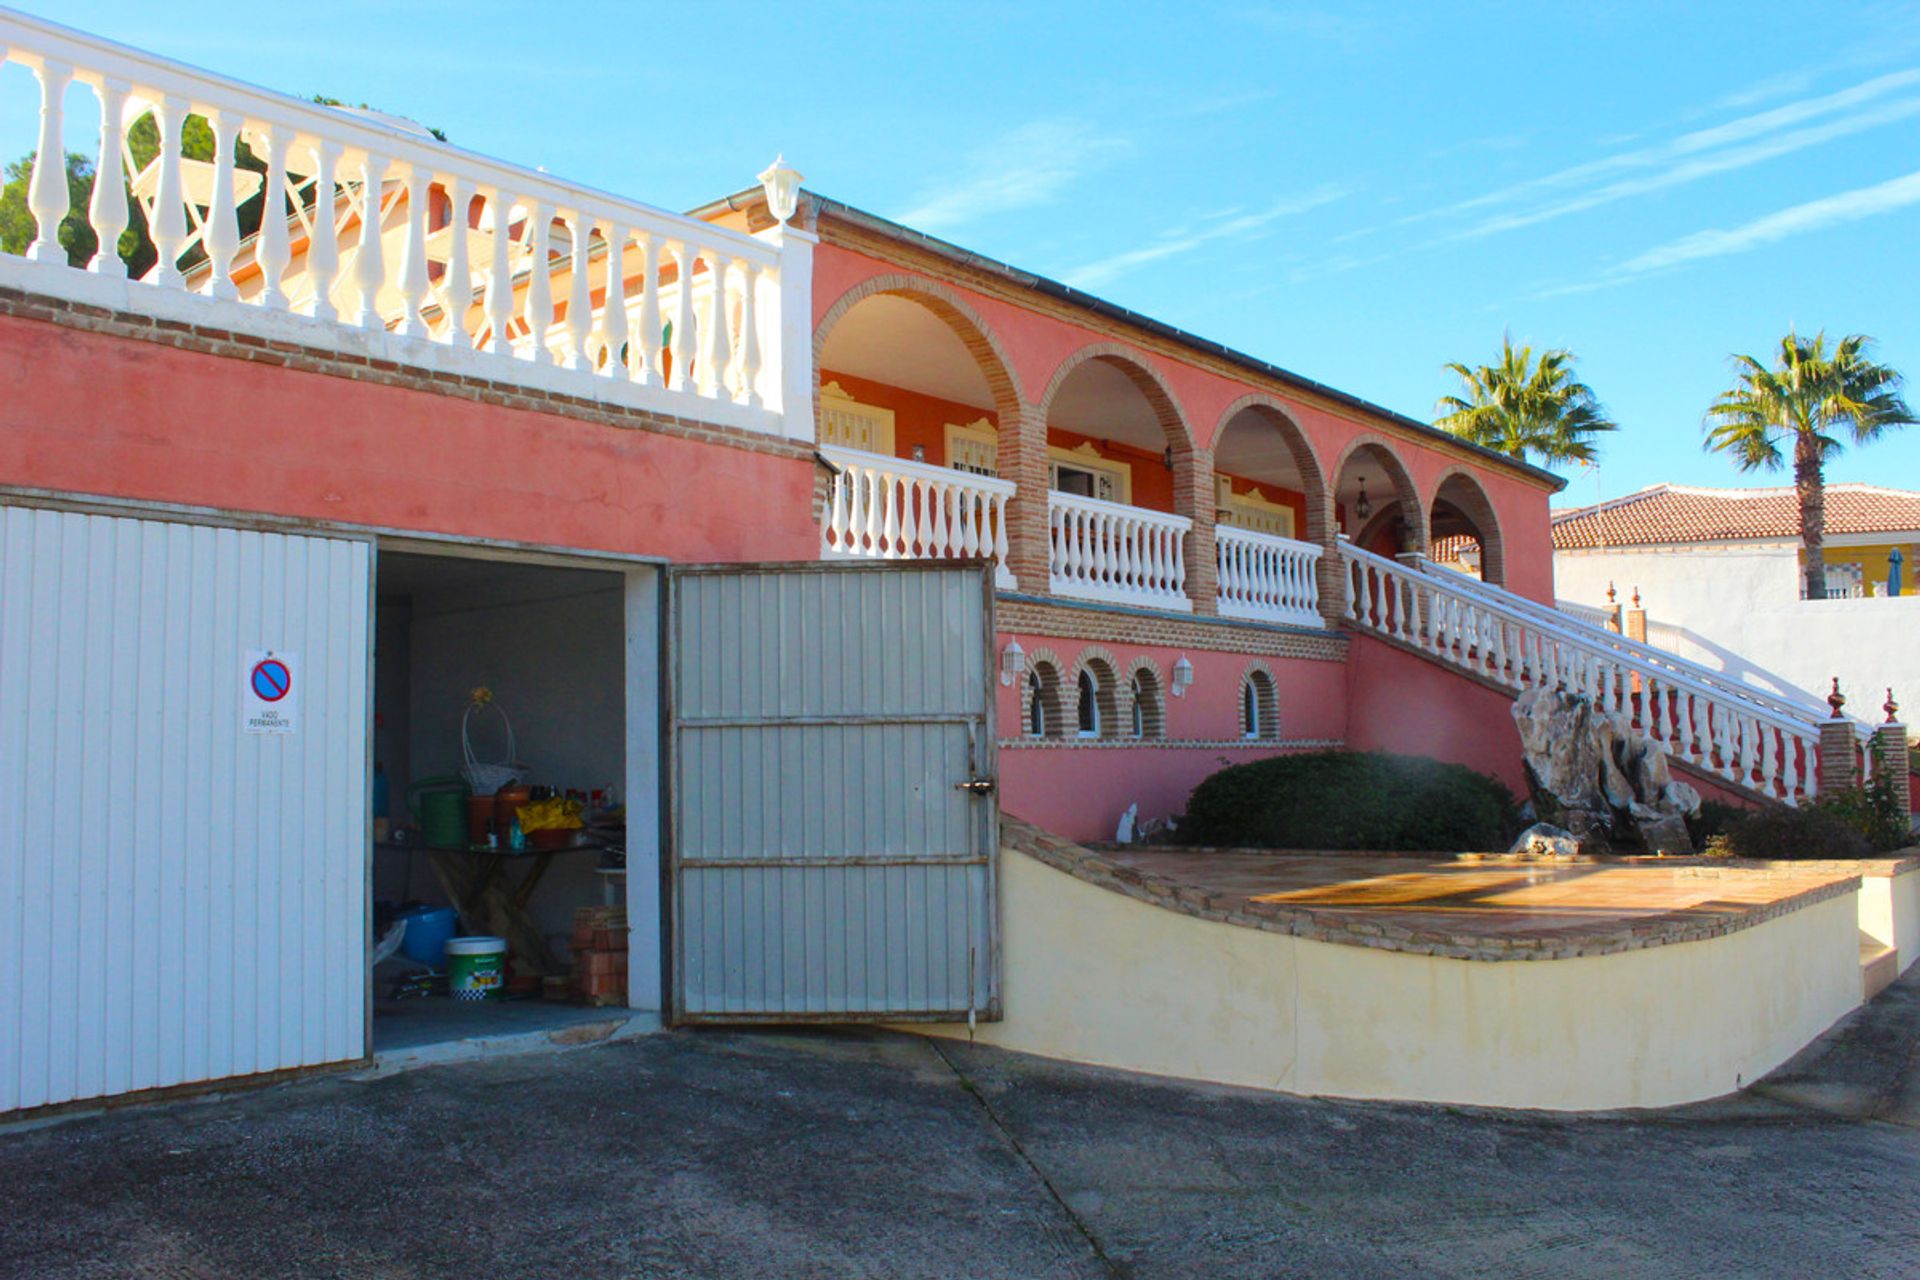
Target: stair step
x=1879, y=966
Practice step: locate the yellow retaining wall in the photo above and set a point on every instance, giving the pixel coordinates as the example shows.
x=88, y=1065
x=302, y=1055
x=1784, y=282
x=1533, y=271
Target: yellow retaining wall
x=1091, y=975
x=1890, y=914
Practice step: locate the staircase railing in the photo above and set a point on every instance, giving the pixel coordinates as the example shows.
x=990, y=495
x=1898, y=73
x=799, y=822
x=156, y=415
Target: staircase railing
x=1745, y=736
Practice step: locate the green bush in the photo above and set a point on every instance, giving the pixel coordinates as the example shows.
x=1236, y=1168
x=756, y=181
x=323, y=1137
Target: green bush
x=1780, y=833
x=1350, y=800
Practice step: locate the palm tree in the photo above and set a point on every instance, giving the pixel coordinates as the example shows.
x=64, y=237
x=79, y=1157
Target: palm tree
x=1810, y=397
x=1521, y=406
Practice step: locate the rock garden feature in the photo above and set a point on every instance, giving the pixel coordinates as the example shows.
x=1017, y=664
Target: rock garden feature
x=1598, y=780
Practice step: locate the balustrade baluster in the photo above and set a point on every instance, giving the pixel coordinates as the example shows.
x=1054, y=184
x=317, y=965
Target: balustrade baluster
x=682, y=345
x=107, y=210
x=645, y=363
x=220, y=237
x=539, y=305
x=456, y=286
x=168, y=225
x=369, y=270
x=612, y=328
x=274, y=253
x=499, y=282
x=579, y=291
x=747, y=377
x=413, y=255
x=719, y=348
x=48, y=196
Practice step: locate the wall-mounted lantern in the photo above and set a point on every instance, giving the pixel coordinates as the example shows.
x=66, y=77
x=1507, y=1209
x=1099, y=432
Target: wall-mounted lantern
x=782, y=184
x=1013, y=662
x=1182, y=676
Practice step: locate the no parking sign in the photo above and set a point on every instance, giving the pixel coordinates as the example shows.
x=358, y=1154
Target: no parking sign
x=269, y=691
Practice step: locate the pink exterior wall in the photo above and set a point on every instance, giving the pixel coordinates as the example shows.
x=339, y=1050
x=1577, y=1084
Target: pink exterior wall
x=1080, y=792
x=1037, y=345
x=94, y=414
x=1408, y=705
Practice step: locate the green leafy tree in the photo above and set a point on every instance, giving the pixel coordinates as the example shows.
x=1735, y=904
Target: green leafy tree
x=1810, y=399
x=1526, y=408
x=17, y=226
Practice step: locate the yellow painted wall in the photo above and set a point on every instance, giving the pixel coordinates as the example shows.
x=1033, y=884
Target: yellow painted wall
x=1093, y=976
x=1873, y=562
x=1890, y=914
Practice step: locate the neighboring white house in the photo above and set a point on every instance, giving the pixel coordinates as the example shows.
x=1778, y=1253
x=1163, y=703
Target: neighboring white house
x=1718, y=573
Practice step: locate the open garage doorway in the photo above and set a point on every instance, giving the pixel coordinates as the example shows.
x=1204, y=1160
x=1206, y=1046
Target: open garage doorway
x=515, y=739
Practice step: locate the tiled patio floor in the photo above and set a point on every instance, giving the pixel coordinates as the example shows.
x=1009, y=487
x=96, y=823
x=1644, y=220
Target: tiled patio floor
x=1492, y=900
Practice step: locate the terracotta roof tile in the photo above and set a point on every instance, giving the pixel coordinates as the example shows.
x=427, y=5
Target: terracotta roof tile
x=1667, y=513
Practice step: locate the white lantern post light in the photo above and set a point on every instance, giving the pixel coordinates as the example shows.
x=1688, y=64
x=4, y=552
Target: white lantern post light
x=781, y=181
x=1182, y=676
x=1013, y=662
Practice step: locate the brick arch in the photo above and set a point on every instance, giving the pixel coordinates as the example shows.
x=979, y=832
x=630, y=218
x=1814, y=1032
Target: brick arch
x=1405, y=491
x=1166, y=407
x=1479, y=511
x=1154, y=721
x=1054, y=700
x=1266, y=697
x=952, y=310
x=1318, y=484
x=1112, y=701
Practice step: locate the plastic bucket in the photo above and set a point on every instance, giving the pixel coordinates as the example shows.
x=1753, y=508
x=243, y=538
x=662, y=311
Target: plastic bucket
x=477, y=968
x=428, y=929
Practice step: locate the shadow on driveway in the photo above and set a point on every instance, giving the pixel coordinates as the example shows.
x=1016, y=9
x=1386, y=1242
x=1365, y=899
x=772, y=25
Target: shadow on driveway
x=868, y=1154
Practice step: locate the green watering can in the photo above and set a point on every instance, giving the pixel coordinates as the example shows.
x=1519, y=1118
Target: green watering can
x=441, y=806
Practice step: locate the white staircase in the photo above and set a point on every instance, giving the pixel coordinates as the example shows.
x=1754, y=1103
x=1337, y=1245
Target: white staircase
x=1744, y=736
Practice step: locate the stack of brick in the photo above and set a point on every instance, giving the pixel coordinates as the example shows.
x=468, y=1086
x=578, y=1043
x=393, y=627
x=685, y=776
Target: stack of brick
x=600, y=955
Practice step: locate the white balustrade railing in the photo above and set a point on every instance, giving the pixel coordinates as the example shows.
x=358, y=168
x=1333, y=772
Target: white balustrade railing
x=1744, y=736
x=377, y=240
x=1267, y=578
x=894, y=509
x=1116, y=553
x=1592, y=615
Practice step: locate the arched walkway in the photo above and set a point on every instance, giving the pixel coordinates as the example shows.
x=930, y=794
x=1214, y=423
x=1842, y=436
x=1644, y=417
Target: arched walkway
x=1262, y=460
x=1377, y=504
x=1461, y=518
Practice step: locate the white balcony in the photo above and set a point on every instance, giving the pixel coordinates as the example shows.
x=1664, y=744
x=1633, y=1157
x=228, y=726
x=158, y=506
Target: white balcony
x=1117, y=554
x=554, y=286
x=886, y=508
x=1267, y=578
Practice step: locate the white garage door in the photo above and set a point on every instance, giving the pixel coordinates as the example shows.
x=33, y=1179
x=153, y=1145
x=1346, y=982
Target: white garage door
x=183, y=721
x=833, y=834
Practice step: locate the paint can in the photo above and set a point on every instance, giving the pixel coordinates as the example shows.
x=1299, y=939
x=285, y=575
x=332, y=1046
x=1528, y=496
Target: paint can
x=477, y=968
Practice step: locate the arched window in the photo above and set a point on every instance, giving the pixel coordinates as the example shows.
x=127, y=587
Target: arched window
x=1089, y=704
x=1148, y=715
x=1043, y=719
x=1259, y=707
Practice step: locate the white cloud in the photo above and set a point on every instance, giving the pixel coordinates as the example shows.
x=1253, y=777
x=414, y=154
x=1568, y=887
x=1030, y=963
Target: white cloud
x=1229, y=225
x=1692, y=170
x=1800, y=219
x=1682, y=159
x=1032, y=165
x=1814, y=215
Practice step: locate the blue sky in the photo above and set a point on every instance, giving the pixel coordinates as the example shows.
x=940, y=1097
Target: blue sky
x=1358, y=192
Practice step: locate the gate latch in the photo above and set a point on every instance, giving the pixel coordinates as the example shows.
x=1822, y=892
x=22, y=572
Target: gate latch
x=978, y=786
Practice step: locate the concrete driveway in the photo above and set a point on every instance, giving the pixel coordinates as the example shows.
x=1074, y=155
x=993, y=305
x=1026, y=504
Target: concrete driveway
x=845, y=1154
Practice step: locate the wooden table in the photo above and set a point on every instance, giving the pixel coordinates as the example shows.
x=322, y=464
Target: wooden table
x=491, y=902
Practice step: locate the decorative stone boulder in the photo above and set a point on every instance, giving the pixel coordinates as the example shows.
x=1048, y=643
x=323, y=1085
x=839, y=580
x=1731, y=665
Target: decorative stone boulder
x=1594, y=775
x=1544, y=840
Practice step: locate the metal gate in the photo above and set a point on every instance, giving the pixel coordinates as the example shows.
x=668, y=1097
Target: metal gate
x=183, y=886
x=834, y=828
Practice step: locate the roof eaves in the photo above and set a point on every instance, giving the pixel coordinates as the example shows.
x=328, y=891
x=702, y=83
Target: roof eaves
x=1100, y=306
